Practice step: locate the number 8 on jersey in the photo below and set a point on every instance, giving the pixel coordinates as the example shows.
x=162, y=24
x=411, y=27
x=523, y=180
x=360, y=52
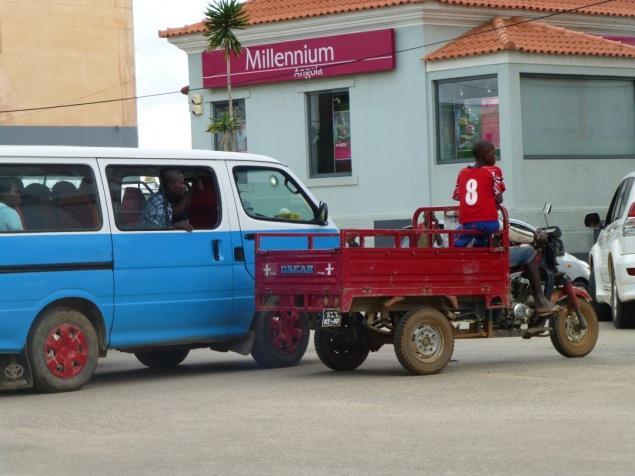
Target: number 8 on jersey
x=471, y=193
x=476, y=190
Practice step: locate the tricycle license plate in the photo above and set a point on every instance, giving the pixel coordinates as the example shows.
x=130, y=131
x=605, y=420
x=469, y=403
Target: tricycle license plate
x=331, y=318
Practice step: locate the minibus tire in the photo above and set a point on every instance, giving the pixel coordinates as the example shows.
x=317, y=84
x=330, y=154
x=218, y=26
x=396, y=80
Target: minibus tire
x=162, y=359
x=63, y=351
x=281, y=338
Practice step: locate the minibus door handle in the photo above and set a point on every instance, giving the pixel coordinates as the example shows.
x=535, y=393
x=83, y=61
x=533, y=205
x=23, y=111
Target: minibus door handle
x=239, y=253
x=250, y=236
x=216, y=250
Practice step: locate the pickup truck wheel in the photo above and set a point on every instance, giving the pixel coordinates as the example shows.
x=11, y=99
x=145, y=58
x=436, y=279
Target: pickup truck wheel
x=602, y=310
x=337, y=350
x=63, y=351
x=568, y=339
x=623, y=313
x=162, y=359
x=582, y=284
x=424, y=341
x=281, y=338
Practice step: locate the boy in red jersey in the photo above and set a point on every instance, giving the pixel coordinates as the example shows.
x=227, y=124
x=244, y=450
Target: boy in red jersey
x=479, y=190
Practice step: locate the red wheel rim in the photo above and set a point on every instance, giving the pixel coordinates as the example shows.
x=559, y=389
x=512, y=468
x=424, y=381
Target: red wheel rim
x=66, y=351
x=285, y=332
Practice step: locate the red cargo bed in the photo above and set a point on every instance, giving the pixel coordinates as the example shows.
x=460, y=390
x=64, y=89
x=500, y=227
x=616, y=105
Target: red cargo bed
x=357, y=271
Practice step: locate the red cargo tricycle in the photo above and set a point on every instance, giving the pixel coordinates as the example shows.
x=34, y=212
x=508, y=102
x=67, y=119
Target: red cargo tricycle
x=412, y=288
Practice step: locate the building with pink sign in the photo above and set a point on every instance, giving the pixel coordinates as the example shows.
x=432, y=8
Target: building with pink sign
x=376, y=104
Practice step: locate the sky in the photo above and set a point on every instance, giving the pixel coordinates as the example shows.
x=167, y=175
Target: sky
x=164, y=122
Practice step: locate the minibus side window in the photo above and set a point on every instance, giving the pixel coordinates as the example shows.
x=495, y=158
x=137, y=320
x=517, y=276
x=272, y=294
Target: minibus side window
x=270, y=194
x=38, y=198
x=141, y=200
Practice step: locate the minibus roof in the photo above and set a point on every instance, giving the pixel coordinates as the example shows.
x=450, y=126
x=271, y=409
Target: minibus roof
x=8, y=151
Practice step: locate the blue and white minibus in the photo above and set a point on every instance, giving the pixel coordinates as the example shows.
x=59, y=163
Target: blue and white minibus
x=85, y=269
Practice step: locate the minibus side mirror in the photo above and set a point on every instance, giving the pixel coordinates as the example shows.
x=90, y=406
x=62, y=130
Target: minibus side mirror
x=323, y=214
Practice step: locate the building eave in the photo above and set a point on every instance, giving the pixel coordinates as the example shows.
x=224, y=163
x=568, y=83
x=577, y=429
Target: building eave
x=619, y=66
x=426, y=14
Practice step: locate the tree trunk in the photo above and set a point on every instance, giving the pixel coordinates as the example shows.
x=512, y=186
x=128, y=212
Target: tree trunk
x=232, y=134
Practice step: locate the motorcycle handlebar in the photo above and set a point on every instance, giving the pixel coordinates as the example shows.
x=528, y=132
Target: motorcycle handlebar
x=553, y=231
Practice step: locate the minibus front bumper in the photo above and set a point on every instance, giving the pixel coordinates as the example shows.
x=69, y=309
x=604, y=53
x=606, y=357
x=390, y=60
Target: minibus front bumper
x=15, y=371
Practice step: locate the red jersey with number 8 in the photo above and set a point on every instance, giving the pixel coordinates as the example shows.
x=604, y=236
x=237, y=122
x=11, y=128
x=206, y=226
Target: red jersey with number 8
x=476, y=190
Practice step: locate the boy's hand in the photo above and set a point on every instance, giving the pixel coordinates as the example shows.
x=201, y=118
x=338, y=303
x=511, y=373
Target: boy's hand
x=183, y=225
x=541, y=237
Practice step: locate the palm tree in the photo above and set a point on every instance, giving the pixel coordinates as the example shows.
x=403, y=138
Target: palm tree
x=221, y=19
x=226, y=125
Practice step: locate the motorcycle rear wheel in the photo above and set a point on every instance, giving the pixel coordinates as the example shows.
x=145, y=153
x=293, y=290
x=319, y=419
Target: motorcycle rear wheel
x=568, y=340
x=339, y=351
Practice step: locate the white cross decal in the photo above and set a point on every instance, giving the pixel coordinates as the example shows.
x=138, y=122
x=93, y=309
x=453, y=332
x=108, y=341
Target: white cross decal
x=329, y=269
x=267, y=270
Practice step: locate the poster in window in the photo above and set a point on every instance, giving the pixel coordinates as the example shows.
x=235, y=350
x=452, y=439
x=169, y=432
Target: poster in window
x=342, y=135
x=490, y=127
x=241, y=137
x=476, y=119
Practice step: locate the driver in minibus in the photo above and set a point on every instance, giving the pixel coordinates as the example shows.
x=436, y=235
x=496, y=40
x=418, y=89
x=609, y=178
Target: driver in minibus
x=167, y=208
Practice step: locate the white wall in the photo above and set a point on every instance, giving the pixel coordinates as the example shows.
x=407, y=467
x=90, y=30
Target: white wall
x=388, y=118
x=573, y=186
x=394, y=138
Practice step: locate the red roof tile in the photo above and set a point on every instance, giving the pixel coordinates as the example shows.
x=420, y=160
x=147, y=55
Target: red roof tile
x=618, y=8
x=519, y=34
x=270, y=11
x=182, y=30
x=267, y=11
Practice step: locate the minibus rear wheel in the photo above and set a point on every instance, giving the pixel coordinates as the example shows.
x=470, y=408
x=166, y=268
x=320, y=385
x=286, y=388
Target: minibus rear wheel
x=63, y=350
x=281, y=338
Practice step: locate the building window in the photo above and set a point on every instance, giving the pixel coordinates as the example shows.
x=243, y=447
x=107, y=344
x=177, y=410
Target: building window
x=467, y=111
x=567, y=117
x=239, y=112
x=330, y=133
x=48, y=198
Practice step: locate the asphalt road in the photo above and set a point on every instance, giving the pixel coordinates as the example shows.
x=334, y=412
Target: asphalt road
x=503, y=406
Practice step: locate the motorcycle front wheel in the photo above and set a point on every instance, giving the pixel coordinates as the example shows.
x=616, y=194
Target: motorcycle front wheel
x=567, y=336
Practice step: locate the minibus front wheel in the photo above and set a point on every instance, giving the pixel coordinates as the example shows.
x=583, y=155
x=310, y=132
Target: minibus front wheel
x=63, y=350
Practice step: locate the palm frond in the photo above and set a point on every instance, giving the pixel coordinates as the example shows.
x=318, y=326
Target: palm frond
x=223, y=123
x=221, y=19
x=226, y=125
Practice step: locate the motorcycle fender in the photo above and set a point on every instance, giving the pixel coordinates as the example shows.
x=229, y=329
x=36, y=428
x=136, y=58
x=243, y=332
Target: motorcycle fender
x=560, y=295
x=15, y=371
